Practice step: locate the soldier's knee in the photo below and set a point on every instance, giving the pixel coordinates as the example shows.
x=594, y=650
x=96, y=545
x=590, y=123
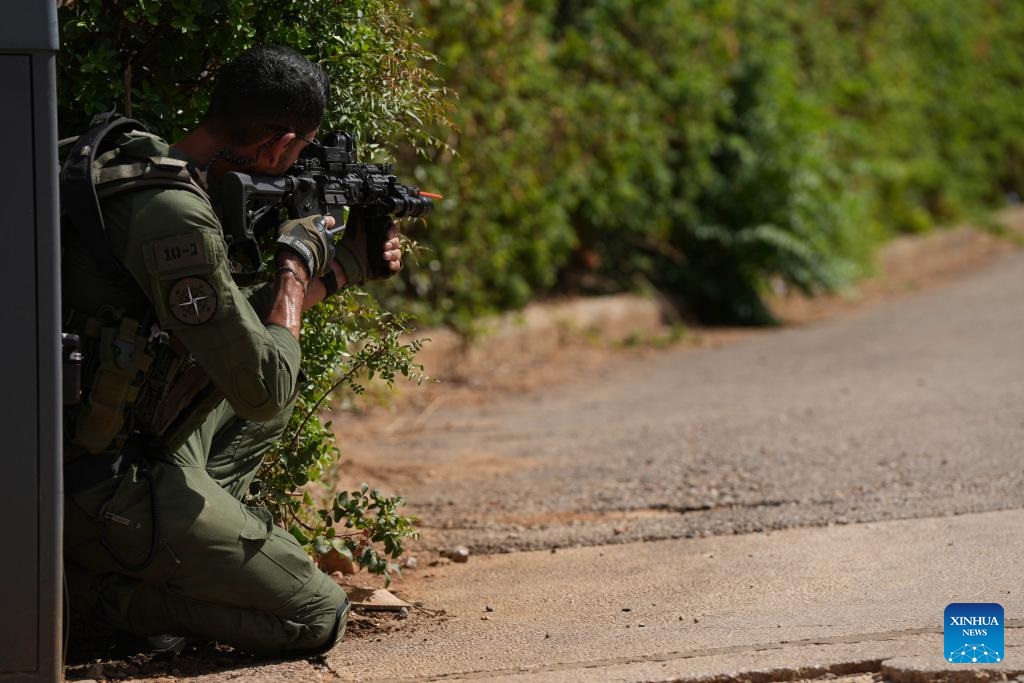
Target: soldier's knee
x=325, y=631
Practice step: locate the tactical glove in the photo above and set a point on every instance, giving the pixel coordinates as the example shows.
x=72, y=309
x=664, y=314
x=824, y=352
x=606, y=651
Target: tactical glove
x=308, y=238
x=360, y=252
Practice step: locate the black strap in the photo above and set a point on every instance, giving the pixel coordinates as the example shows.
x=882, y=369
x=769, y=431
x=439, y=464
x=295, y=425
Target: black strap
x=154, y=531
x=80, y=206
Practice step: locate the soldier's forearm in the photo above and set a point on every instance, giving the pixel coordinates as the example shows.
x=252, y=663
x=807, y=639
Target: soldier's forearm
x=290, y=291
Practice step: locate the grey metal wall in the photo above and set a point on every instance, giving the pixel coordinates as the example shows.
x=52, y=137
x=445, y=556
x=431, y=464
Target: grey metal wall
x=30, y=552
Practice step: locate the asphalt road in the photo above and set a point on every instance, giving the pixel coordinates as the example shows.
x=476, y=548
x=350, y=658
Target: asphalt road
x=913, y=408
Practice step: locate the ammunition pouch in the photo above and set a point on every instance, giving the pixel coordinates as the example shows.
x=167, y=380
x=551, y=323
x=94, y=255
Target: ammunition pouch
x=138, y=384
x=121, y=361
x=175, y=398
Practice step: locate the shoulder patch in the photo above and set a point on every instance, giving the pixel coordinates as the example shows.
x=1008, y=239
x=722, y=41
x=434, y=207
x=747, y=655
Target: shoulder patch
x=192, y=300
x=180, y=251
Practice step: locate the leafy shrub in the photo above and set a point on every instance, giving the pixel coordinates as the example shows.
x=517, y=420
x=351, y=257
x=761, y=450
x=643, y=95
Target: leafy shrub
x=344, y=340
x=159, y=60
x=706, y=146
x=501, y=234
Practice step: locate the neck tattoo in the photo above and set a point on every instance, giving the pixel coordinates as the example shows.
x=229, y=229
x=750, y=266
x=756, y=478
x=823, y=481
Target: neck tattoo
x=230, y=157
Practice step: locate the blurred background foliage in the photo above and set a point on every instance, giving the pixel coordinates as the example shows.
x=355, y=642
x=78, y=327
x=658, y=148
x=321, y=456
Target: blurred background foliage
x=705, y=147
x=158, y=59
x=702, y=147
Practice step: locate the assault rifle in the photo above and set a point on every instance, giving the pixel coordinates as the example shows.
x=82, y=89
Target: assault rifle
x=327, y=180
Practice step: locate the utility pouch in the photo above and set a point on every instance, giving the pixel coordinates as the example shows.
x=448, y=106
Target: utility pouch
x=121, y=368
x=175, y=398
x=195, y=411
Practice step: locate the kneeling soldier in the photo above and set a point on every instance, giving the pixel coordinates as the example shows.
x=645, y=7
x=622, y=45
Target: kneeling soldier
x=188, y=378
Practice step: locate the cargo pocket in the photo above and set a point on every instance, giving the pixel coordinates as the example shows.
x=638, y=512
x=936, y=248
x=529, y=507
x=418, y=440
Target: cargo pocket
x=277, y=570
x=130, y=529
x=259, y=524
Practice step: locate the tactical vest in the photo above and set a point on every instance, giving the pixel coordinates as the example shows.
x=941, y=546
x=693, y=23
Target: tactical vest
x=136, y=379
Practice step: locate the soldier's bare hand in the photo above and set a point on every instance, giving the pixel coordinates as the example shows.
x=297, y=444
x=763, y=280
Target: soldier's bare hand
x=393, y=249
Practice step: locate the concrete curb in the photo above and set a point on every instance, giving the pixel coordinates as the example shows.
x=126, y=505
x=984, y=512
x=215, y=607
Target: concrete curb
x=540, y=329
x=543, y=327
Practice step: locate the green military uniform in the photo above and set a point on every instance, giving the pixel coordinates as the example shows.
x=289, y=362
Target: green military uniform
x=218, y=569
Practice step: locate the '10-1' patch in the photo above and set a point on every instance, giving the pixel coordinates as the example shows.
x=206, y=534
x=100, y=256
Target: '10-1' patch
x=192, y=300
x=179, y=252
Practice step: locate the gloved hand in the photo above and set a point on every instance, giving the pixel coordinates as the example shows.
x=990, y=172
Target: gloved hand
x=363, y=252
x=308, y=238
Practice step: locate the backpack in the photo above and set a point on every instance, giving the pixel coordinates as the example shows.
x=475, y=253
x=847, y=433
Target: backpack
x=84, y=182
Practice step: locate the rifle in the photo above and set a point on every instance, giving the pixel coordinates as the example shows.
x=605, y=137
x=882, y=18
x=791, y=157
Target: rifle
x=326, y=180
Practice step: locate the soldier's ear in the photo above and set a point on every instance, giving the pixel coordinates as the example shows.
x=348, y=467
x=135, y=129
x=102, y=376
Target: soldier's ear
x=273, y=149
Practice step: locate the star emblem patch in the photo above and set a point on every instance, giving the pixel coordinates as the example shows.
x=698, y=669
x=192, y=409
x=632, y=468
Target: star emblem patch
x=192, y=300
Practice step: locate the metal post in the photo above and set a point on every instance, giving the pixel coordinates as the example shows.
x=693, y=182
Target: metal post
x=30, y=488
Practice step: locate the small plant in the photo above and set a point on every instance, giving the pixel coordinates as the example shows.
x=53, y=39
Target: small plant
x=374, y=531
x=344, y=340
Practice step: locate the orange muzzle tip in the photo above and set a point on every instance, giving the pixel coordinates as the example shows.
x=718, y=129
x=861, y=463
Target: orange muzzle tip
x=431, y=195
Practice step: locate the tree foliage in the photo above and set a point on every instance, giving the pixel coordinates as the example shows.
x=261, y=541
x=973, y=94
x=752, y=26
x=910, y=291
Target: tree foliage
x=707, y=146
x=157, y=59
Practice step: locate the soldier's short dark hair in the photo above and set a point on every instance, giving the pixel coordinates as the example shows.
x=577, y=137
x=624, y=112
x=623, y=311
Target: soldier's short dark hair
x=264, y=90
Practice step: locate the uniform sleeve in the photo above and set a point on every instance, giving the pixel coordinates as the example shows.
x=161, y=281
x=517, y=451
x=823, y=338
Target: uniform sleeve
x=260, y=297
x=176, y=251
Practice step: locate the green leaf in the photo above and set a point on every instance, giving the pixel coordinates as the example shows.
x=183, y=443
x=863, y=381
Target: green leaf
x=321, y=545
x=343, y=549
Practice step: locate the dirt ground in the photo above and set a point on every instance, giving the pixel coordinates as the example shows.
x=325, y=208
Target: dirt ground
x=906, y=265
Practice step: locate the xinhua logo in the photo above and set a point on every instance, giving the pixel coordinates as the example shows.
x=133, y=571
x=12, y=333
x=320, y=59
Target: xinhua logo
x=973, y=633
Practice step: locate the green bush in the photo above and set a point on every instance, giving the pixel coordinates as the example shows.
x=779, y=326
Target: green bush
x=157, y=61
x=502, y=233
x=702, y=146
x=707, y=146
